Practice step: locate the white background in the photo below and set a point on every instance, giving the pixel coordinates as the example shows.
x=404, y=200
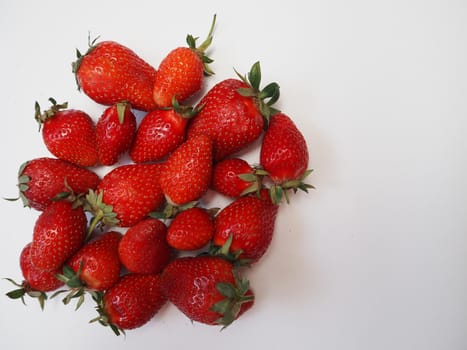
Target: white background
x=376, y=257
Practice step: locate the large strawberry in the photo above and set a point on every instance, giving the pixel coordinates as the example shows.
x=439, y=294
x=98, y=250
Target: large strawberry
x=110, y=72
x=59, y=232
x=180, y=73
x=131, y=303
x=250, y=222
x=41, y=180
x=115, y=131
x=68, y=134
x=206, y=289
x=126, y=195
x=284, y=156
x=234, y=111
x=186, y=174
x=144, y=249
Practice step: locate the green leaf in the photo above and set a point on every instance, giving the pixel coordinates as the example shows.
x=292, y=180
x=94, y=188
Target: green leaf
x=271, y=91
x=254, y=76
x=222, y=306
x=226, y=289
x=246, y=92
x=247, y=177
x=16, y=294
x=121, y=109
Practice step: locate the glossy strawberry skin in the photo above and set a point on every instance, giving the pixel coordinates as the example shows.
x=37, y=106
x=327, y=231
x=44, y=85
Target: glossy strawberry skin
x=186, y=174
x=59, y=232
x=144, y=249
x=231, y=120
x=133, y=191
x=284, y=153
x=46, y=179
x=37, y=279
x=100, y=268
x=114, y=137
x=225, y=177
x=71, y=135
x=134, y=300
x=111, y=73
x=250, y=220
x=159, y=133
x=191, y=229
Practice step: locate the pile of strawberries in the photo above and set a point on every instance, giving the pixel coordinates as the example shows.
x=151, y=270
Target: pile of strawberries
x=173, y=248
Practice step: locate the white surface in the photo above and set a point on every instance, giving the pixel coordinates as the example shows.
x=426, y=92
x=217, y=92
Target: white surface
x=376, y=257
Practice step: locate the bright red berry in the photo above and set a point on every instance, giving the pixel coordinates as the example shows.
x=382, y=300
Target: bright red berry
x=234, y=177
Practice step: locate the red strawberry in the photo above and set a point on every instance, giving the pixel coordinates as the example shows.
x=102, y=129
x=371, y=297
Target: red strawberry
x=68, y=134
x=160, y=132
x=284, y=155
x=180, y=73
x=144, y=249
x=115, y=131
x=234, y=177
x=58, y=234
x=131, y=303
x=250, y=221
x=187, y=172
x=232, y=113
x=206, y=289
x=42, y=179
x=126, y=195
x=191, y=229
x=110, y=72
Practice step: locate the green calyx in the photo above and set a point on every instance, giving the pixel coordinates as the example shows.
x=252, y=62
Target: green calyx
x=265, y=97
x=102, y=318
x=102, y=213
x=186, y=112
x=226, y=253
x=79, y=57
x=121, y=109
x=256, y=180
x=23, y=290
x=201, y=49
x=23, y=181
x=42, y=117
x=279, y=191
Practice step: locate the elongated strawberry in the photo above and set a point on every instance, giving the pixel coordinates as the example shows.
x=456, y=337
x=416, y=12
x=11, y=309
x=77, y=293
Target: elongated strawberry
x=186, y=175
x=206, y=289
x=41, y=180
x=110, y=73
x=68, y=134
x=126, y=195
x=131, y=303
x=115, y=131
x=250, y=221
x=144, y=249
x=59, y=232
x=284, y=155
x=160, y=132
x=180, y=73
x=234, y=111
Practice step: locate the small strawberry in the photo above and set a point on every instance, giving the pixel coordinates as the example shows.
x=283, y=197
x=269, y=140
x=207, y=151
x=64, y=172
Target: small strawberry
x=186, y=174
x=110, y=72
x=206, y=289
x=144, y=249
x=234, y=111
x=191, y=229
x=115, y=131
x=131, y=303
x=68, y=134
x=41, y=180
x=180, y=73
x=59, y=232
x=126, y=195
x=250, y=222
x=284, y=156
x=160, y=132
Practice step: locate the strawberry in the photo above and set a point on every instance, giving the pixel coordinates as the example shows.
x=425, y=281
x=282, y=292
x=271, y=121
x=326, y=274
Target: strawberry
x=206, y=289
x=115, y=131
x=234, y=177
x=250, y=222
x=233, y=112
x=191, y=229
x=180, y=73
x=68, y=134
x=160, y=132
x=41, y=180
x=284, y=156
x=110, y=72
x=131, y=303
x=59, y=232
x=126, y=195
x=144, y=249
x=186, y=175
